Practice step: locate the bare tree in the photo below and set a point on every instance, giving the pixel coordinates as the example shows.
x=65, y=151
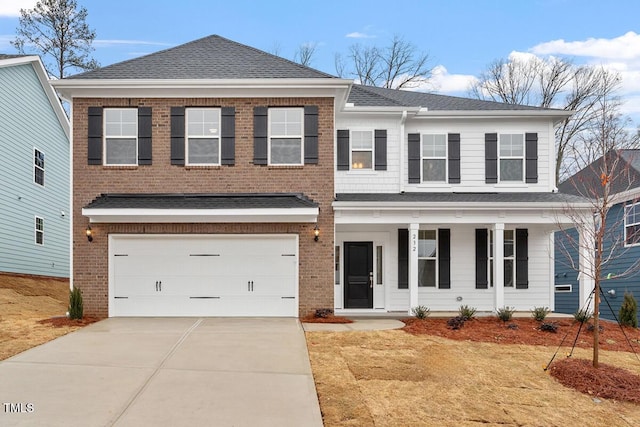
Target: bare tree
x=276, y=49
x=553, y=83
x=57, y=30
x=397, y=65
x=304, y=54
x=338, y=62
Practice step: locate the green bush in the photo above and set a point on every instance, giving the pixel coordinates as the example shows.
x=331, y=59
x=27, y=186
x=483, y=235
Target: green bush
x=75, y=304
x=467, y=312
x=628, y=313
x=540, y=313
x=505, y=313
x=582, y=316
x=421, y=312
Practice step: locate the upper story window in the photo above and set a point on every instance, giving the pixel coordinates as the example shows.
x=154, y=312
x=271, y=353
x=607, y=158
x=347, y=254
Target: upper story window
x=361, y=149
x=203, y=136
x=286, y=136
x=120, y=136
x=511, y=157
x=434, y=158
x=38, y=167
x=632, y=224
x=39, y=231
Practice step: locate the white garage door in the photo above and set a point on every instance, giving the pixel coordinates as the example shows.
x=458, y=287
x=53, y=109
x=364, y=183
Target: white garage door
x=203, y=275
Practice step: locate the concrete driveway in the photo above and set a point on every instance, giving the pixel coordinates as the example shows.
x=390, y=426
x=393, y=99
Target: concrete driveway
x=164, y=372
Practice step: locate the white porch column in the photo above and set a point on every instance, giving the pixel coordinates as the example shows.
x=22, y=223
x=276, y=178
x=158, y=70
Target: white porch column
x=498, y=264
x=413, y=266
x=586, y=253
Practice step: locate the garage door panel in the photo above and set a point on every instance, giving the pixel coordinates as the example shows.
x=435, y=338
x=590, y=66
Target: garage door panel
x=209, y=275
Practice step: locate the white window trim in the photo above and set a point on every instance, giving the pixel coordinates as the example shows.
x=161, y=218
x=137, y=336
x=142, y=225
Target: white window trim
x=372, y=150
x=437, y=284
x=271, y=136
x=522, y=158
x=36, y=231
x=35, y=166
x=563, y=288
x=104, y=138
x=626, y=206
x=490, y=259
x=187, y=137
x=445, y=158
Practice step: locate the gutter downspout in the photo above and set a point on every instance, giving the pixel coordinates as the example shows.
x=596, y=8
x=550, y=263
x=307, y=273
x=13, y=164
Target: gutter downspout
x=402, y=162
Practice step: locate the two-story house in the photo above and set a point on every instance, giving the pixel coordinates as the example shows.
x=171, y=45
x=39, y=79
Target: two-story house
x=216, y=179
x=621, y=247
x=34, y=177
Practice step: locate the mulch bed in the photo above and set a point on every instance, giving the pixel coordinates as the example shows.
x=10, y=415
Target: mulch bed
x=328, y=319
x=607, y=381
x=59, y=322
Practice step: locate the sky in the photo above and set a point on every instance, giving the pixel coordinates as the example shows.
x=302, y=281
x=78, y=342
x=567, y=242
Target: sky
x=461, y=37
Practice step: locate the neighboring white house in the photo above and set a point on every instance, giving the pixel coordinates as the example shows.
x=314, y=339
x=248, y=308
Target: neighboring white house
x=444, y=201
x=34, y=177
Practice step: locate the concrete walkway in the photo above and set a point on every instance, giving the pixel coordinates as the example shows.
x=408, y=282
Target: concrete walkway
x=359, y=324
x=164, y=372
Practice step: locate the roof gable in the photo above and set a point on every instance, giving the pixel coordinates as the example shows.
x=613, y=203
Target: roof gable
x=211, y=57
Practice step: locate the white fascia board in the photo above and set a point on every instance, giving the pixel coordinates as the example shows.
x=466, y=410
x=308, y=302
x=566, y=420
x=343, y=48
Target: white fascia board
x=38, y=67
x=301, y=215
x=484, y=114
x=379, y=110
x=425, y=206
x=172, y=88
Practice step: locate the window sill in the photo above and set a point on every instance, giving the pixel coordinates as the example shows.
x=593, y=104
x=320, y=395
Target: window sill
x=512, y=185
x=362, y=172
x=435, y=185
x=189, y=167
x=285, y=167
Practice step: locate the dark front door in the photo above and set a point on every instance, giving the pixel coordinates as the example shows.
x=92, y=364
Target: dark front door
x=358, y=274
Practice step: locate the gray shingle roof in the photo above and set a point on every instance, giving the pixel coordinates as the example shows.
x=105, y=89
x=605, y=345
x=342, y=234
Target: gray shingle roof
x=623, y=165
x=6, y=56
x=370, y=96
x=202, y=201
x=542, y=198
x=211, y=57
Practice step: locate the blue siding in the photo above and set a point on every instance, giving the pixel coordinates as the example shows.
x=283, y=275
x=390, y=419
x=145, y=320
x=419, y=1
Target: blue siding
x=623, y=259
x=565, y=274
x=27, y=121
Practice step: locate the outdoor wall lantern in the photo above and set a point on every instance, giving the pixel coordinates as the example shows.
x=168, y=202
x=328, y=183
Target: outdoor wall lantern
x=89, y=232
x=316, y=232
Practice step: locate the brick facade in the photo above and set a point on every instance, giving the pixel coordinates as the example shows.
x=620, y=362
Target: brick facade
x=90, y=260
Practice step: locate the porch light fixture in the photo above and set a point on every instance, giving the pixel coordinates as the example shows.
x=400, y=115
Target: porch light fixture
x=316, y=232
x=89, y=232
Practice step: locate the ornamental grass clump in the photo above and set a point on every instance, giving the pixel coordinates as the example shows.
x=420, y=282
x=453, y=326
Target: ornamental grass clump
x=421, y=312
x=540, y=313
x=467, y=312
x=505, y=313
x=75, y=304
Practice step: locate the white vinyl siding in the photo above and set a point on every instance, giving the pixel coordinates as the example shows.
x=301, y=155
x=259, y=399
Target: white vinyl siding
x=121, y=136
x=202, y=136
x=286, y=136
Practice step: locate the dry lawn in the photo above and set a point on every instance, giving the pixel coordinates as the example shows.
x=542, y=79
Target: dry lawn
x=23, y=302
x=393, y=378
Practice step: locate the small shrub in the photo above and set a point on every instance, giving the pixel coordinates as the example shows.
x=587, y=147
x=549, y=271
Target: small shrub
x=549, y=327
x=421, y=312
x=591, y=327
x=467, y=312
x=628, y=313
x=582, y=316
x=512, y=326
x=456, y=322
x=540, y=313
x=75, y=304
x=505, y=313
x=324, y=313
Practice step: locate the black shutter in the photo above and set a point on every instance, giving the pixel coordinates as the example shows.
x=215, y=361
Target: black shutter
x=343, y=150
x=94, y=141
x=414, y=158
x=144, y=135
x=531, y=153
x=444, y=258
x=381, y=149
x=260, y=137
x=403, y=258
x=311, y=134
x=454, y=158
x=491, y=157
x=228, y=136
x=177, y=136
x=522, y=258
x=482, y=258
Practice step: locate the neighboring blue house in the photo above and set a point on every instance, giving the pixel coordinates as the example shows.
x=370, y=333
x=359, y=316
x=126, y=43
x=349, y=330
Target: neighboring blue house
x=623, y=231
x=34, y=177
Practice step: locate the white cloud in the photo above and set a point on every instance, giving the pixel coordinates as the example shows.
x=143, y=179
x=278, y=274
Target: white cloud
x=359, y=35
x=11, y=8
x=626, y=46
x=443, y=82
